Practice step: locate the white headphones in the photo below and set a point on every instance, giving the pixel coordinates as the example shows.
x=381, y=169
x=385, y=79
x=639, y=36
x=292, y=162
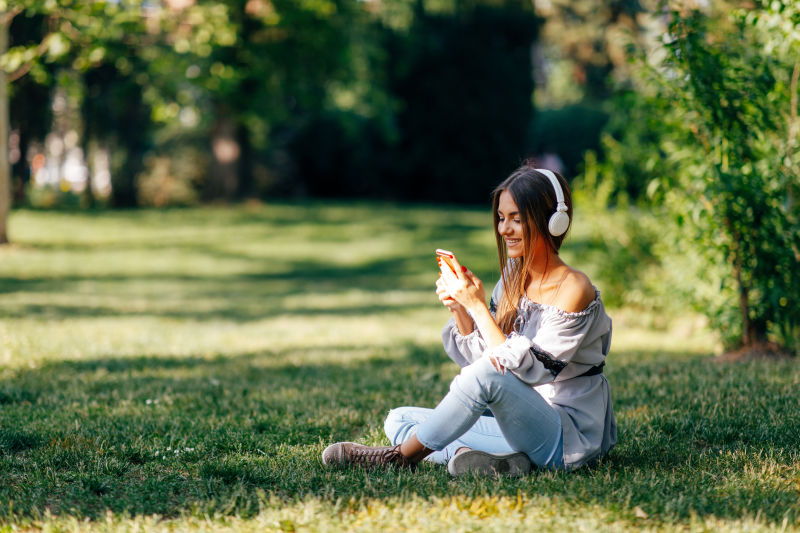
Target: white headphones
x=559, y=221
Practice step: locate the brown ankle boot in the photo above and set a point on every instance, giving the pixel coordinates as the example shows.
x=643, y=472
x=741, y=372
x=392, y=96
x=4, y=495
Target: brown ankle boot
x=350, y=453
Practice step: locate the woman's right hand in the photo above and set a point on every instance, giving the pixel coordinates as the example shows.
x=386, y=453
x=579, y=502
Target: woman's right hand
x=463, y=320
x=445, y=297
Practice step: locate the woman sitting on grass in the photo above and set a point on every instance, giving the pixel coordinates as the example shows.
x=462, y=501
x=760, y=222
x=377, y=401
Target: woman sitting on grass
x=534, y=357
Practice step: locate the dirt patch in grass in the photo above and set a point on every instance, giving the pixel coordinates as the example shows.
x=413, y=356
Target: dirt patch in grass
x=758, y=351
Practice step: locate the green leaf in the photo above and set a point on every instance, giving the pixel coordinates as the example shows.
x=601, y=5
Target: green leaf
x=57, y=45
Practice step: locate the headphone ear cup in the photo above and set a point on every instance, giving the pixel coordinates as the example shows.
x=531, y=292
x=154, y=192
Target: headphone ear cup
x=558, y=224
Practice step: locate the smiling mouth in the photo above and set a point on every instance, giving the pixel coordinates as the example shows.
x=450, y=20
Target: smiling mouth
x=513, y=242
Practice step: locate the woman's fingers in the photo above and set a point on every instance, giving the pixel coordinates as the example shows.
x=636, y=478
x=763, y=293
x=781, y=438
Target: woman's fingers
x=496, y=364
x=450, y=283
x=440, y=286
x=442, y=293
x=459, y=269
x=463, y=273
x=472, y=277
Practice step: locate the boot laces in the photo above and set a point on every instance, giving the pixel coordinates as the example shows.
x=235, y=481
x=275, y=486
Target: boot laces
x=369, y=456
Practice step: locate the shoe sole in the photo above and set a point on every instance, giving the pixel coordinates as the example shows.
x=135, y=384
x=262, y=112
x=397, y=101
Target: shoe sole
x=478, y=462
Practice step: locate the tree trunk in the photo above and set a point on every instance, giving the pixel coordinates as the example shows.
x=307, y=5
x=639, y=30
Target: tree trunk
x=5, y=165
x=87, y=145
x=743, y=289
x=246, y=188
x=754, y=331
x=20, y=171
x=223, y=182
x=744, y=308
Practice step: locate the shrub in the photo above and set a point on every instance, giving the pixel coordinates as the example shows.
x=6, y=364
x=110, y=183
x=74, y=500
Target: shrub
x=728, y=90
x=172, y=179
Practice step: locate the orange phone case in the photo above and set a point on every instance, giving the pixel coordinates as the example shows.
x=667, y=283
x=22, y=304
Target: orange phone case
x=447, y=257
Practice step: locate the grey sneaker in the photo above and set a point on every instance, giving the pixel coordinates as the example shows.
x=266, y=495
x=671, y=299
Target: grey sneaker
x=507, y=464
x=350, y=453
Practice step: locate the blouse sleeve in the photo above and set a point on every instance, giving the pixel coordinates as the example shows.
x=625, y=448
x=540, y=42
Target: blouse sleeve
x=466, y=349
x=463, y=349
x=562, y=346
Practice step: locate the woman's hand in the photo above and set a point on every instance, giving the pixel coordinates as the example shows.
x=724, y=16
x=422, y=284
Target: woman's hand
x=464, y=287
x=496, y=364
x=463, y=320
x=445, y=297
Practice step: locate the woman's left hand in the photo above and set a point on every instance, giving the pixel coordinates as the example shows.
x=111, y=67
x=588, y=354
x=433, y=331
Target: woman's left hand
x=465, y=287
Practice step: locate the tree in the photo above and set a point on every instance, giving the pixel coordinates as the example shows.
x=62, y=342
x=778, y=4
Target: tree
x=275, y=75
x=588, y=41
x=123, y=55
x=464, y=80
x=729, y=80
x=6, y=16
x=76, y=31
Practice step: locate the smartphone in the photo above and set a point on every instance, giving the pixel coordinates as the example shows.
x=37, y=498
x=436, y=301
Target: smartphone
x=446, y=257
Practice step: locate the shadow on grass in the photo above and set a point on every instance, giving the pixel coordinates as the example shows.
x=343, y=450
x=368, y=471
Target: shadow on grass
x=248, y=283
x=237, y=297
x=173, y=436
x=215, y=231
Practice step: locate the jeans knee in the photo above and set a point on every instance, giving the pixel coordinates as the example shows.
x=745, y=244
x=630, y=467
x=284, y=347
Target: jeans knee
x=395, y=421
x=392, y=419
x=481, y=371
x=480, y=381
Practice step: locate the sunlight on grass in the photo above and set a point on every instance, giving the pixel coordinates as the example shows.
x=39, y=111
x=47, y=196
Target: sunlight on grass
x=493, y=514
x=183, y=369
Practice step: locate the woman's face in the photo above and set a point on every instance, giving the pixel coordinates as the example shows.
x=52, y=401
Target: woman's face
x=509, y=225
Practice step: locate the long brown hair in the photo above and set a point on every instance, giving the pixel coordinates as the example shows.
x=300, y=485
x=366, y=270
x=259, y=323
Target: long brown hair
x=536, y=200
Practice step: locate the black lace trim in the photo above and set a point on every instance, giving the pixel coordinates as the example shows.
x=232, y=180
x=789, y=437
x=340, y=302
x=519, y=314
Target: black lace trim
x=550, y=363
x=492, y=306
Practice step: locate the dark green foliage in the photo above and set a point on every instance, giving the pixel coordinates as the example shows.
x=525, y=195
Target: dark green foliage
x=317, y=99
x=629, y=158
x=568, y=132
x=114, y=114
x=461, y=85
x=279, y=78
x=465, y=87
x=343, y=155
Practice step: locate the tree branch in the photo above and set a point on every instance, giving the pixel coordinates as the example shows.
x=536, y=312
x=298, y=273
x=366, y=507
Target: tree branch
x=25, y=68
x=9, y=15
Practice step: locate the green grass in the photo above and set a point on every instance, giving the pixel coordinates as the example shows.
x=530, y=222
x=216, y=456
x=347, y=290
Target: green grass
x=182, y=370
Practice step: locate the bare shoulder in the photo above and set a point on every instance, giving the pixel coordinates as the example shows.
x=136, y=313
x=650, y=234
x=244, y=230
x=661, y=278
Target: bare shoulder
x=576, y=292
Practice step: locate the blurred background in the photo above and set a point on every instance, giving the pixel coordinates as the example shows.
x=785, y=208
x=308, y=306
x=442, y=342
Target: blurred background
x=661, y=111
x=155, y=103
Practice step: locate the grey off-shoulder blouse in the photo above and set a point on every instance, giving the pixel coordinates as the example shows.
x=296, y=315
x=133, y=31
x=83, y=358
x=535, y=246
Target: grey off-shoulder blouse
x=550, y=349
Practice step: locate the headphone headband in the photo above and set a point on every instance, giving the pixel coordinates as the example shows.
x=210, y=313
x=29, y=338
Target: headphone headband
x=556, y=186
x=559, y=221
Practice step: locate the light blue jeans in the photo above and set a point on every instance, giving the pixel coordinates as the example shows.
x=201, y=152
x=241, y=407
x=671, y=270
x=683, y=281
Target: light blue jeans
x=523, y=420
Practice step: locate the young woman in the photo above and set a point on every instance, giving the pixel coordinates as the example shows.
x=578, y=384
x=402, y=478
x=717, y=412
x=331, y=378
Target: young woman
x=531, y=390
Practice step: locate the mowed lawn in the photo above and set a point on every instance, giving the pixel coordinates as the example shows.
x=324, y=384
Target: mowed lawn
x=182, y=370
